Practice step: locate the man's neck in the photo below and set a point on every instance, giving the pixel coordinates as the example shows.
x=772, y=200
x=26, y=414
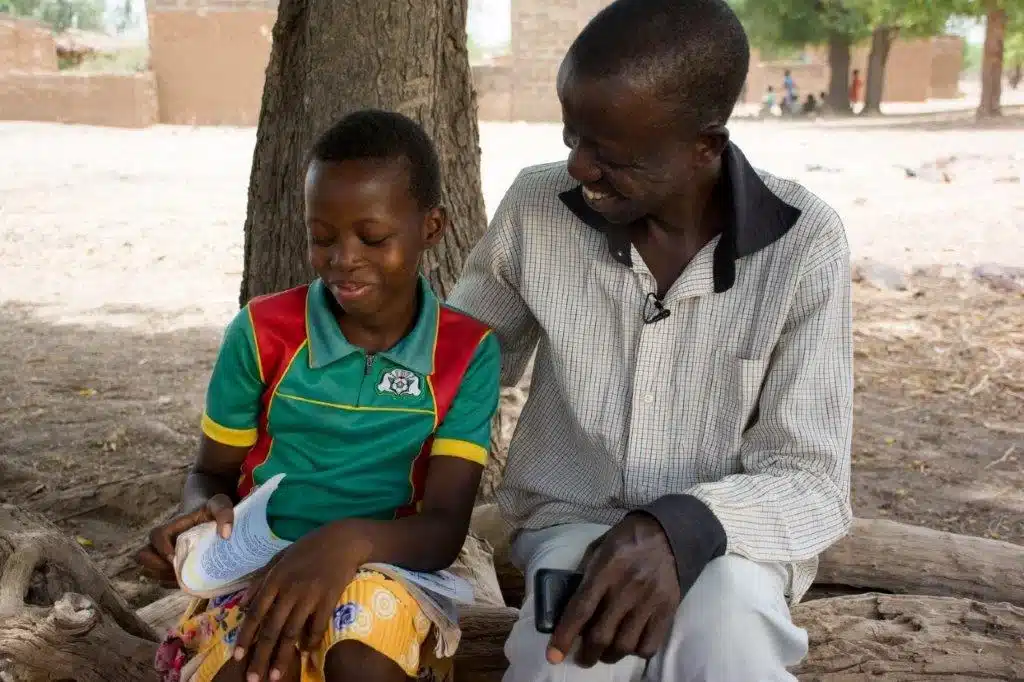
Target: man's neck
x=695, y=219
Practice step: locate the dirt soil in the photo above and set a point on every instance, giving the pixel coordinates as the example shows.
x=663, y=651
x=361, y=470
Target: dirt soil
x=120, y=256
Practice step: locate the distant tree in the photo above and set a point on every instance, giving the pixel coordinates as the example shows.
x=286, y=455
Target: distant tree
x=1013, y=54
x=890, y=19
x=776, y=24
x=1003, y=20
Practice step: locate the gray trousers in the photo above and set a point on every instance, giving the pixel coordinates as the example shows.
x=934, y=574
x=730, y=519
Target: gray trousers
x=732, y=626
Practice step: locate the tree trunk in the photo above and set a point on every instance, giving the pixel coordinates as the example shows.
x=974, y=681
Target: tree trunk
x=330, y=58
x=992, y=61
x=881, y=43
x=839, y=80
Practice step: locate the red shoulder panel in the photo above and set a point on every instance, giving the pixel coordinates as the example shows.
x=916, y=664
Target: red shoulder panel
x=458, y=337
x=279, y=326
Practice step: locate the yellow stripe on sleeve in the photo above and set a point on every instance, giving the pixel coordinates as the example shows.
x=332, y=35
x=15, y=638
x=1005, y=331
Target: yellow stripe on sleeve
x=239, y=438
x=450, y=447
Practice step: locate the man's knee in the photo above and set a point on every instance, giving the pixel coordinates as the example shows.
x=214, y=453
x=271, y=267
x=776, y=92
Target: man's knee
x=734, y=600
x=526, y=651
x=348, y=661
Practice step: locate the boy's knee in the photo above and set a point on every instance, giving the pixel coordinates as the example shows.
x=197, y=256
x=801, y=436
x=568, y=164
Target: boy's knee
x=348, y=661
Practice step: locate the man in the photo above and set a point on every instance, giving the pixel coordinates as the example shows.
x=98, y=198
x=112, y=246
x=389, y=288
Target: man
x=686, y=442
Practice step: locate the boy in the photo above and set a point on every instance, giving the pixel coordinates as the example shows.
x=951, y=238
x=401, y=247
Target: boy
x=373, y=398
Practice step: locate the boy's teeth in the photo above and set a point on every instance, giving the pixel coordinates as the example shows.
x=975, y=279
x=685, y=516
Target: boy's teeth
x=591, y=194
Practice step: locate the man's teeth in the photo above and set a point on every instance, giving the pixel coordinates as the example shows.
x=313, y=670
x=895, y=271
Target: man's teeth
x=594, y=196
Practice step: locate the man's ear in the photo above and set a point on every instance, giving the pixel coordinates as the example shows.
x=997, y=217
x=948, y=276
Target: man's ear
x=711, y=143
x=435, y=222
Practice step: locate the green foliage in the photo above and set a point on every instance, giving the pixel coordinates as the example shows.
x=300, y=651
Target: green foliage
x=784, y=23
x=59, y=14
x=1013, y=48
x=911, y=17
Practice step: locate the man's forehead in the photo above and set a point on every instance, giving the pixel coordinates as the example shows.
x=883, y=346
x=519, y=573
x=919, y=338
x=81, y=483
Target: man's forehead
x=612, y=106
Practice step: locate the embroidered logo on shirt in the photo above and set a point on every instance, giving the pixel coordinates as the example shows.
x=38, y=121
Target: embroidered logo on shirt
x=399, y=382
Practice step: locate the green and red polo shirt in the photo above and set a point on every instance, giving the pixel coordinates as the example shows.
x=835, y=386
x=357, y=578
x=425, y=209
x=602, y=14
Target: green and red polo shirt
x=353, y=432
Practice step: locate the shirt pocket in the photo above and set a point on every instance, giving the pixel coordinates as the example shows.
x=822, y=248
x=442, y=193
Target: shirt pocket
x=731, y=408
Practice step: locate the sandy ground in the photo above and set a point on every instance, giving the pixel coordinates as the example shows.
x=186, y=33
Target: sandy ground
x=121, y=256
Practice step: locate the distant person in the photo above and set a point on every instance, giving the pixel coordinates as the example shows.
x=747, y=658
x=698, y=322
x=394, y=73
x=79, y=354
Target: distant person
x=768, y=102
x=855, y=87
x=823, y=107
x=789, y=87
x=810, y=105
x=374, y=399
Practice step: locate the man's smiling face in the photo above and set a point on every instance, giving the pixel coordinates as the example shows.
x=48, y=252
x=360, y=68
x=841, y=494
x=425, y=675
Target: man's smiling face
x=626, y=147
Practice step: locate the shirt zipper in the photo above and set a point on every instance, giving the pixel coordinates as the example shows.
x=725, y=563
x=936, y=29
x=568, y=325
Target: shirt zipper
x=368, y=365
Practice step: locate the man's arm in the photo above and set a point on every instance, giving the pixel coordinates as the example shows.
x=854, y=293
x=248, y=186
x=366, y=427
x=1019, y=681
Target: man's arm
x=793, y=498
x=489, y=287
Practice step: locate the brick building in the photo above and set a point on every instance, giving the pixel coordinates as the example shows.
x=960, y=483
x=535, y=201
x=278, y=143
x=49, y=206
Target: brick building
x=32, y=88
x=209, y=58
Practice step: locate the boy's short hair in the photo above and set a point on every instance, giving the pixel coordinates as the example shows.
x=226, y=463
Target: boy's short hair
x=377, y=134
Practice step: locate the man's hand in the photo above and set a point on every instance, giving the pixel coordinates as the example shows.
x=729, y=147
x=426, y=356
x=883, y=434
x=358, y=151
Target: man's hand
x=292, y=606
x=157, y=558
x=627, y=600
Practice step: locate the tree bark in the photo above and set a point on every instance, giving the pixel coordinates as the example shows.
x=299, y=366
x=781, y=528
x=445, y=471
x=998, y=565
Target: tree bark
x=60, y=619
x=330, y=58
x=992, y=60
x=839, y=80
x=881, y=43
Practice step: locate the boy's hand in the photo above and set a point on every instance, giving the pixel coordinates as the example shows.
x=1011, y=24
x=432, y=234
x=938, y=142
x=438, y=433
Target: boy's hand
x=157, y=558
x=292, y=606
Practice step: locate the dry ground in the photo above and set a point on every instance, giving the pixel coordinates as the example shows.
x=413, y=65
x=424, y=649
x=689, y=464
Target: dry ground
x=120, y=258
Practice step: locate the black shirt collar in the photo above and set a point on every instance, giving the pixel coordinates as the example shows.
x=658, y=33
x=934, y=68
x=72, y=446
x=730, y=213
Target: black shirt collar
x=757, y=218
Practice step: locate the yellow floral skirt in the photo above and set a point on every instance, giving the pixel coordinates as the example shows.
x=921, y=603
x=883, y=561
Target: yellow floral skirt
x=373, y=609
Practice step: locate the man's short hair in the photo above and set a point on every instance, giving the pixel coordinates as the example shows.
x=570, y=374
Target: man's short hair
x=376, y=134
x=693, y=53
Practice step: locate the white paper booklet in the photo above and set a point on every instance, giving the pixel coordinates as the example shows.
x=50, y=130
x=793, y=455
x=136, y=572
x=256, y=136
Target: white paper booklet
x=207, y=565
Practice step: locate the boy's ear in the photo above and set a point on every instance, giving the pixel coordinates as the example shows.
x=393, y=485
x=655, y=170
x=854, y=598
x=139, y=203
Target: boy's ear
x=435, y=222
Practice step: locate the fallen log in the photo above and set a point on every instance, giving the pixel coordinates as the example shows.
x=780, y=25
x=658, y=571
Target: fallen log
x=61, y=620
x=877, y=556
x=910, y=637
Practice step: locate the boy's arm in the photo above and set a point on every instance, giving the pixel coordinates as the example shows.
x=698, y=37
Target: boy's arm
x=431, y=539
x=231, y=416
x=229, y=430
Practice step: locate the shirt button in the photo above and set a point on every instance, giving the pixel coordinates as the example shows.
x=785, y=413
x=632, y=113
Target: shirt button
x=649, y=398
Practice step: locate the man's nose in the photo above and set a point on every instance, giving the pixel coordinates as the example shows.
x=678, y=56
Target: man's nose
x=582, y=165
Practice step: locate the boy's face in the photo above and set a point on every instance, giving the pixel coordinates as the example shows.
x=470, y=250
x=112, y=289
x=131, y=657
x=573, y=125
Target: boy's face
x=366, y=232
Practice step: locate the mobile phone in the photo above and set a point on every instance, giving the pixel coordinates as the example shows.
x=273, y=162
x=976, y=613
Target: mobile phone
x=552, y=589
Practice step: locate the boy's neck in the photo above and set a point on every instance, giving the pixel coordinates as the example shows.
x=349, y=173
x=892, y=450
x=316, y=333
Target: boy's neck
x=387, y=329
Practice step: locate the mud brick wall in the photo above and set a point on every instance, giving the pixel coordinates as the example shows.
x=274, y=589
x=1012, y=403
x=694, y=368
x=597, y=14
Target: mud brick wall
x=542, y=31
x=121, y=100
x=26, y=46
x=210, y=57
